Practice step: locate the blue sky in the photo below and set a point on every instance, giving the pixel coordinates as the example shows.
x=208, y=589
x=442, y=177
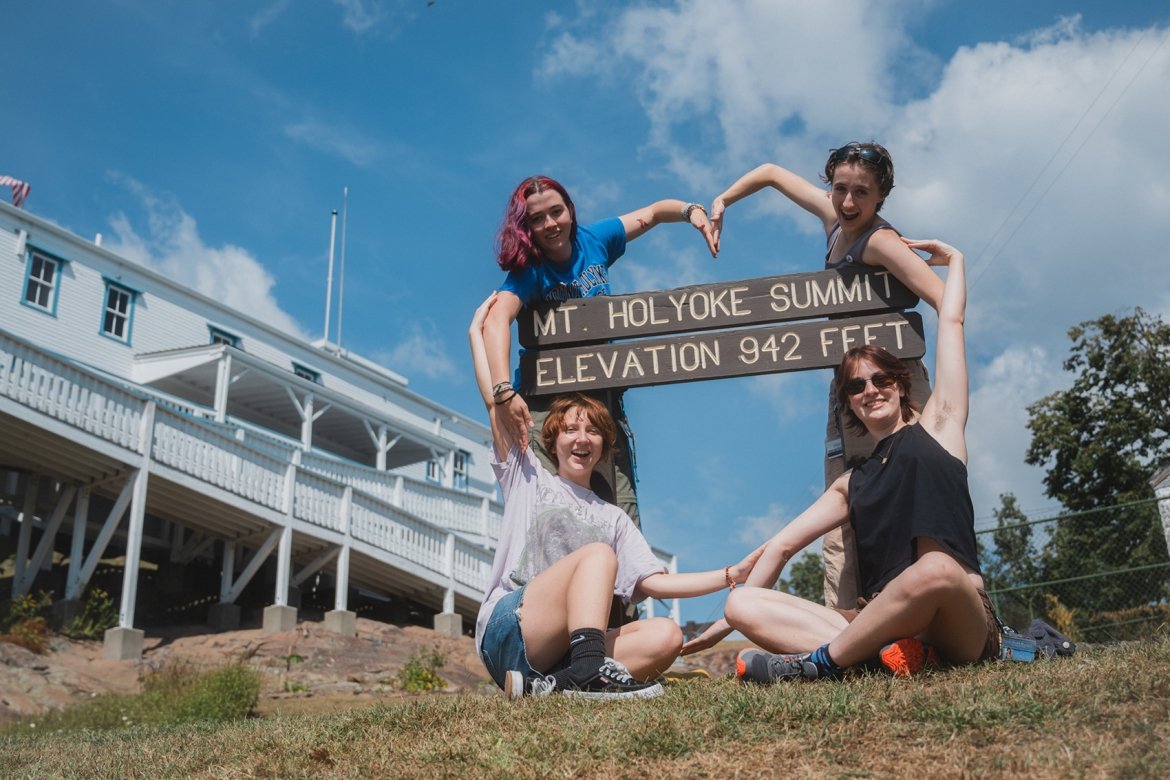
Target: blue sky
x=213, y=139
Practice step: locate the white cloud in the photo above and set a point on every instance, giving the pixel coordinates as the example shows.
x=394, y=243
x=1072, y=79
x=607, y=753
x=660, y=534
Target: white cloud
x=172, y=246
x=361, y=16
x=423, y=351
x=344, y=142
x=997, y=433
x=1029, y=154
x=792, y=396
x=266, y=16
x=754, y=530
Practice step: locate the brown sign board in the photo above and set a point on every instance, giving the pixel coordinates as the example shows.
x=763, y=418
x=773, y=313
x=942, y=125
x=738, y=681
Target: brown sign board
x=716, y=355
x=710, y=306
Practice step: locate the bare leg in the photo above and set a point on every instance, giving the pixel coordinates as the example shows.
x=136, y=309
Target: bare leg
x=779, y=622
x=934, y=599
x=646, y=647
x=575, y=592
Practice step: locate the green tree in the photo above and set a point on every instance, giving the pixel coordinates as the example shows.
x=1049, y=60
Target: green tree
x=1100, y=441
x=806, y=578
x=1012, y=563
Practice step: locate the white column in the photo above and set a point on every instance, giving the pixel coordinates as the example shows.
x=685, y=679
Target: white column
x=77, y=545
x=27, y=517
x=137, y=514
x=228, y=573
x=449, y=565
x=223, y=376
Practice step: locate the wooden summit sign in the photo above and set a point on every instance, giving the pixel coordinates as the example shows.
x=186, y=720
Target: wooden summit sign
x=596, y=364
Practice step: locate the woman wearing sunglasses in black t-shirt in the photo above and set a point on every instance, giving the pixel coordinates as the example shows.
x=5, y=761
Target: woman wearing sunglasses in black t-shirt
x=910, y=508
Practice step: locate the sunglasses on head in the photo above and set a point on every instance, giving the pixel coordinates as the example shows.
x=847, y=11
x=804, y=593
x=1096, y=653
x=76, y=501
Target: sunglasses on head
x=867, y=153
x=880, y=379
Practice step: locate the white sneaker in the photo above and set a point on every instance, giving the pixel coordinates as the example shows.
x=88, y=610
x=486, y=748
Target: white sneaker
x=516, y=687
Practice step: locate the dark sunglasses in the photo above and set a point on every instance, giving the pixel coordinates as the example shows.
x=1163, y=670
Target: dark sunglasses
x=867, y=153
x=881, y=380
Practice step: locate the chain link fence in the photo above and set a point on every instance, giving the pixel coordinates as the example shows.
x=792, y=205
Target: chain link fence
x=1099, y=575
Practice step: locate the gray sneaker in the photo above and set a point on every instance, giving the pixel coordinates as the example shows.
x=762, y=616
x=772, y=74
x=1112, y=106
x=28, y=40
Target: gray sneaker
x=614, y=681
x=756, y=666
x=517, y=687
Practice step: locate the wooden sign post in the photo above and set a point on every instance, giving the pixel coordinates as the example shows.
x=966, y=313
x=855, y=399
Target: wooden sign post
x=588, y=356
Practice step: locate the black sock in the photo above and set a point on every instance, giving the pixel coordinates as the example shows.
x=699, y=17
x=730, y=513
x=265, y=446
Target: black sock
x=825, y=663
x=586, y=654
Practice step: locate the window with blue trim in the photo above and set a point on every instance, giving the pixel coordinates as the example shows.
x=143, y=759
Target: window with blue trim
x=307, y=373
x=41, y=282
x=433, y=471
x=119, y=312
x=459, y=470
x=221, y=336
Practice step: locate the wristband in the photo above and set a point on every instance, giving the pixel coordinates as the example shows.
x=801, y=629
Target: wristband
x=506, y=399
x=500, y=387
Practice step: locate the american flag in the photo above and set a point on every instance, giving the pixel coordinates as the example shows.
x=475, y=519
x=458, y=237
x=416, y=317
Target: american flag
x=19, y=189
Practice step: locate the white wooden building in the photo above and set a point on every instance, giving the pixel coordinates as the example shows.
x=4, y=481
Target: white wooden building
x=141, y=418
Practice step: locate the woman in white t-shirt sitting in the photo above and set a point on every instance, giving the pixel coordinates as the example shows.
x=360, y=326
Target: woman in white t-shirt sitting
x=563, y=554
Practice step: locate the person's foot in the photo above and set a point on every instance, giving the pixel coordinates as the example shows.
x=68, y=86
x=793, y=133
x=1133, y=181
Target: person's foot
x=516, y=686
x=614, y=681
x=756, y=666
x=907, y=657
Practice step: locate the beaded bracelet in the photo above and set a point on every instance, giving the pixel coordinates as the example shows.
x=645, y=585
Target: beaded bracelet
x=727, y=576
x=687, y=209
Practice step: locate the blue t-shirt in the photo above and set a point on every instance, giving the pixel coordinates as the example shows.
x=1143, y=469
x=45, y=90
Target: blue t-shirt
x=585, y=274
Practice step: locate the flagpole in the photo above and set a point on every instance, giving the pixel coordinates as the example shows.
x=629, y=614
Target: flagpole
x=341, y=282
x=329, y=283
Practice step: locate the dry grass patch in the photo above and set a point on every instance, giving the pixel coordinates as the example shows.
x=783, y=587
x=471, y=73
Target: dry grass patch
x=1103, y=713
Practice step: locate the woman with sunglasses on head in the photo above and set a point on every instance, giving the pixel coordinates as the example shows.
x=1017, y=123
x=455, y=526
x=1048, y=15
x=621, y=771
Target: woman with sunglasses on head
x=910, y=508
x=860, y=177
x=549, y=257
x=563, y=554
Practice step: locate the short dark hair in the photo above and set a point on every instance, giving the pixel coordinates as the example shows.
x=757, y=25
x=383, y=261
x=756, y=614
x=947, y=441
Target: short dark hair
x=864, y=154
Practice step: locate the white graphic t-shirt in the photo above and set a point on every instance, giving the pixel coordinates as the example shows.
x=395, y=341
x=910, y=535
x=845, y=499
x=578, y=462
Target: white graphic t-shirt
x=547, y=517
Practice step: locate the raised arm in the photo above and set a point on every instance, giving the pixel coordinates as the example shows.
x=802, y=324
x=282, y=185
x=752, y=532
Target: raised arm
x=483, y=375
x=799, y=190
x=512, y=415
x=888, y=250
x=638, y=222
x=945, y=414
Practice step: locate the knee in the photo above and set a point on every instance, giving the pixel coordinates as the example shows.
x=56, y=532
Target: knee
x=934, y=573
x=598, y=553
x=664, y=636
x=740, y=607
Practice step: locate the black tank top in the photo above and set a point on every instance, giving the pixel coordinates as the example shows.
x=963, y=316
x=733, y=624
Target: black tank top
x=910, y=487
x=853, y=254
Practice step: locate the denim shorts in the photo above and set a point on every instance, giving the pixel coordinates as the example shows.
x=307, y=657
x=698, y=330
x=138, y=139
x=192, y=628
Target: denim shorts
x=502, y=648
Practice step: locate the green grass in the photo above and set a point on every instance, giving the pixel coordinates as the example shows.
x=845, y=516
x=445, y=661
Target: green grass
x=1103, y=713
x=177, y=696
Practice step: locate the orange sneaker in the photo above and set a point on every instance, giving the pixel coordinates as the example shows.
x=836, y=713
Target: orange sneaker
x=907, y=657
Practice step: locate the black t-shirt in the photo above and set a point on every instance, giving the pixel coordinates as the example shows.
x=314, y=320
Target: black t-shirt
x=910, y=487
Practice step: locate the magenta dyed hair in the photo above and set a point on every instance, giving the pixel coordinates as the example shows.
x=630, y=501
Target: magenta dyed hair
x=884, y=361
x=514, y=246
